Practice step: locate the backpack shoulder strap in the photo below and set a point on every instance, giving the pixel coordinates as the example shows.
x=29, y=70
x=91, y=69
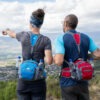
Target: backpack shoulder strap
x=33, y=48
x=77, y=38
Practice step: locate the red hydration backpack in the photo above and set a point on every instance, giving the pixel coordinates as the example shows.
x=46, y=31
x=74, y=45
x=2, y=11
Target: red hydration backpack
x=80, y=69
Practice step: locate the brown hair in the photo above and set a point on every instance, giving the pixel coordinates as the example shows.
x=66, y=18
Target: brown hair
x=71, y=21
x=39, y=14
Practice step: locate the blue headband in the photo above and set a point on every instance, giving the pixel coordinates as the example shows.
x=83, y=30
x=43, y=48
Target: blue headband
x=35, y=22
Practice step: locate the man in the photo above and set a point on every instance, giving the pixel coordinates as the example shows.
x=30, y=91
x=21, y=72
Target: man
x=65, y=50
x=33, y=90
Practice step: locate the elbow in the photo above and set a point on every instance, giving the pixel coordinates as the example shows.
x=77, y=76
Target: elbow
x=58, y=63
x=58, y=60
x=49, y=61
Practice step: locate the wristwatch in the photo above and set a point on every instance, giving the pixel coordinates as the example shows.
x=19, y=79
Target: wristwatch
x=7, y=30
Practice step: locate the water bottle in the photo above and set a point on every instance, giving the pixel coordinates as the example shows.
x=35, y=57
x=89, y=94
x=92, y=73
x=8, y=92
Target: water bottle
x=44, y=74
x=41, y=63
x=40, y=70
x=78, y=74
x=36, y=73
x=71, y=64
x=73, y=69
x=18, y=62
x=91, y=62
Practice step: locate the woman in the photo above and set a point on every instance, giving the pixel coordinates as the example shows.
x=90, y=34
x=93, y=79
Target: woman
x=33, y=90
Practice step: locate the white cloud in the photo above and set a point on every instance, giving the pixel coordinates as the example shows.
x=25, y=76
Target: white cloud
x=89, y=15
x=15, y=15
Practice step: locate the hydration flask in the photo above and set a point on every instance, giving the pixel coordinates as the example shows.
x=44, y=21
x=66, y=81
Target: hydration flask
x=39, y=70
x=73, y=69
x=91, y=62
x=18, y=62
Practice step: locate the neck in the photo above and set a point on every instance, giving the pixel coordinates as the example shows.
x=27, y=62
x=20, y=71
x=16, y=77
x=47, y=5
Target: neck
x=68, y=29
x=35, y=30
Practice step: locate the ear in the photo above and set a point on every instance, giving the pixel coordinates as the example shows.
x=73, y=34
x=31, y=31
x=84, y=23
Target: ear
x=64, y=24
x=65, y=27
x=30, y=26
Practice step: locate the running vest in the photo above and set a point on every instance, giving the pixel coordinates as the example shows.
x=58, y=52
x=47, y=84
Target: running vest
x=71, y=49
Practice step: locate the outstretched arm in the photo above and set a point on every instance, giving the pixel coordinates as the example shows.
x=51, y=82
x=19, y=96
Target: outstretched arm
x=10, y=33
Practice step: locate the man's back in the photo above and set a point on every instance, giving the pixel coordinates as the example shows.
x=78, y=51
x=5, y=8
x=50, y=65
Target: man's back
x=65, y=49
x=71, y=48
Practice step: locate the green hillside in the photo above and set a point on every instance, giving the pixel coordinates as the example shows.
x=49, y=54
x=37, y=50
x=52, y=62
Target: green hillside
x=8, y=88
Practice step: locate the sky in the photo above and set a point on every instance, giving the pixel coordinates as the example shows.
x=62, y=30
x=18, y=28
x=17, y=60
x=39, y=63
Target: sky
x=15, y=14
x=27, y=0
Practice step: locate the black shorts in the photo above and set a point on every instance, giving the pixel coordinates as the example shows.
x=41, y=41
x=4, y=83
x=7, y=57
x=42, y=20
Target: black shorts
x=78, y=92
x=32, y=96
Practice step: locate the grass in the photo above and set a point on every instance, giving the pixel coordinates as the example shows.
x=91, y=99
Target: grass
x=95, y=88
x=53, y=89
x=8, y=89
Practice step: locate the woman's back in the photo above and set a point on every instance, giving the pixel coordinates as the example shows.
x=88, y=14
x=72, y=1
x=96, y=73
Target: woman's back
x=33, y=48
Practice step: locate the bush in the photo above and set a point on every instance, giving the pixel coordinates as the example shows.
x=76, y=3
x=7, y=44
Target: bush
x=7, y=90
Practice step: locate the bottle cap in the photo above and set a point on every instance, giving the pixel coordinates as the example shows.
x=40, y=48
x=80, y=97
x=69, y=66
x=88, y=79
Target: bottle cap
x=91, y=59
x=70, y=60
x=19, y=57
x=41, y=60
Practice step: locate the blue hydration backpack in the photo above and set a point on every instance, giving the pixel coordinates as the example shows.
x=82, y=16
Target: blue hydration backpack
x=29, y=69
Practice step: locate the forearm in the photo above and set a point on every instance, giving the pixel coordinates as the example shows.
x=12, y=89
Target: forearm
x=96, y=54
x=49, y=60
x=96, y=57
x=48, y=57
x=10, y=33
x=58, y=59
x=92, y=56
